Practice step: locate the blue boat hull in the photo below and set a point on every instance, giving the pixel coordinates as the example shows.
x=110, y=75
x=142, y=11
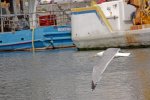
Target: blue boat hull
x=52, y=36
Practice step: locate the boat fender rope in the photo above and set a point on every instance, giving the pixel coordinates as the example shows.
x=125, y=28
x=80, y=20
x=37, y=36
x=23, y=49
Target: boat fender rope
x=33, y=47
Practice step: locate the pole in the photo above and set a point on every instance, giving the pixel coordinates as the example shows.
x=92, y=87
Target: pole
x=2, y=30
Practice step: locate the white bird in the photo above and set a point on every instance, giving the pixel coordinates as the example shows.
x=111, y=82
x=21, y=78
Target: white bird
x=107, y=57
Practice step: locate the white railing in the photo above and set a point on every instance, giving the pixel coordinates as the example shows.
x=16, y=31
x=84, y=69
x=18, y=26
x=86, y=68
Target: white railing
x=57, y=14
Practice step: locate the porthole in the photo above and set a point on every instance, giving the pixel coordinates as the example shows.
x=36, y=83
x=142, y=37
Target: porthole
x=22, y=39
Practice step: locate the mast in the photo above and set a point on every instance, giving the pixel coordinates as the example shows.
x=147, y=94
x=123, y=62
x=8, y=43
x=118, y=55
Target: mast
x=2, y=29
x=21, y=6
x=15, y=11
x=32, y=10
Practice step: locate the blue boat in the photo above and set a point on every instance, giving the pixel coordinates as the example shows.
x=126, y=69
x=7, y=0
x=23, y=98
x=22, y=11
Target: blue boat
x=50, y=37
x=31, y=28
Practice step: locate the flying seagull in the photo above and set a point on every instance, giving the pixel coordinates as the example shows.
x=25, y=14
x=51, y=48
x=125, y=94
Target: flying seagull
x=107, y=57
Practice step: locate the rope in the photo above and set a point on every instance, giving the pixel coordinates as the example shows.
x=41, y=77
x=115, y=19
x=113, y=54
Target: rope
x=33, y=47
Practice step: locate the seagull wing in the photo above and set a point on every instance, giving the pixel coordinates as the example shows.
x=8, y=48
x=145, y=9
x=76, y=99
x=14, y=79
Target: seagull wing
x=98, y=70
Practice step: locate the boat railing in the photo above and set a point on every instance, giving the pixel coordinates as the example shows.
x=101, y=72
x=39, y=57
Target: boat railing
x=49, y=15
x=54, y=17
x=16, y=22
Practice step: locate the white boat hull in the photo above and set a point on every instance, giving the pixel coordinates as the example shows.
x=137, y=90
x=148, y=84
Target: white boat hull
x=93, y=27
x=118, y=39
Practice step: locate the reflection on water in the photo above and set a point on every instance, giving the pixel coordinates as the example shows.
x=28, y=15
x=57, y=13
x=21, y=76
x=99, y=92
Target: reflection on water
x=66, y=75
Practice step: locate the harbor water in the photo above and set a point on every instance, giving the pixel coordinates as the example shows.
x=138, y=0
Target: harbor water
x=66, y=75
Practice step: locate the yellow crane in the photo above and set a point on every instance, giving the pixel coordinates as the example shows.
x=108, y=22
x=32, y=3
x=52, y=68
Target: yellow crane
x=142, y=14
x=93, y=2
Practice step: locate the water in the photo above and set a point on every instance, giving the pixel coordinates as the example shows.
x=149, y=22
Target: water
x=66, y=75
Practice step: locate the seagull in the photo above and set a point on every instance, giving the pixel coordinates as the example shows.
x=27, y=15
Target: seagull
x=106, y=57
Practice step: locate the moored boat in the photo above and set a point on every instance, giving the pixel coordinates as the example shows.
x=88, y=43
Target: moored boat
x=109, y=24
x=27, y=24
